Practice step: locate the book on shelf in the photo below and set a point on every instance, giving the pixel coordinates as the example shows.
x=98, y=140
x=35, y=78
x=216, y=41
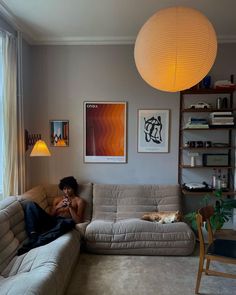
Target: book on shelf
x=196, y=126
x=221, y=114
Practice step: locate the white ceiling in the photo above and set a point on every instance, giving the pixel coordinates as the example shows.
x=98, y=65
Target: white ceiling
x=104, y=21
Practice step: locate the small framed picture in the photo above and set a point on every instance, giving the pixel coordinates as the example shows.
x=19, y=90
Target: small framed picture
x=153, y=131
x=59, y=133
x=104, y=132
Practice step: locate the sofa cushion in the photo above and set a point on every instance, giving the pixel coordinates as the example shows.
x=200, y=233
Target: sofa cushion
x=43, y=270
x=36, y=194
x=135, y=236
x=117, y=202
x=12, y=232
x=86, y=192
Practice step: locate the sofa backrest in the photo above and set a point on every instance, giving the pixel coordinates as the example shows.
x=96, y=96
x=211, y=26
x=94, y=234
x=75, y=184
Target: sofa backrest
x=45, y=194
x=12, y=229
x=36, y=194
x=116, y=202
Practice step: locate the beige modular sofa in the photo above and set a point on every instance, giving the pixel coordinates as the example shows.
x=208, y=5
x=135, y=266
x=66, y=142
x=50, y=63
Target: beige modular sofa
x=43, y=270
x=112, y=225
x=117, y=227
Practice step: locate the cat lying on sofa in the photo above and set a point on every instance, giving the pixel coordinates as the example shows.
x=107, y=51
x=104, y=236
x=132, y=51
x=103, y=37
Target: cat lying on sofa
x=163, y=217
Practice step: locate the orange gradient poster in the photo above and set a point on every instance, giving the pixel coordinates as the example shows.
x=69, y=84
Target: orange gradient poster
x=105, y=132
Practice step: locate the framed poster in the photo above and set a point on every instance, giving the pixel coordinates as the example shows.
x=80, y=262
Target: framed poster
x=59, y=133
x=104, y=132
x=153, y=131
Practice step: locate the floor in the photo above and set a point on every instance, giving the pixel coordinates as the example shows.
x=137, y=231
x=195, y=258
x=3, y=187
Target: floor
x=144, y=275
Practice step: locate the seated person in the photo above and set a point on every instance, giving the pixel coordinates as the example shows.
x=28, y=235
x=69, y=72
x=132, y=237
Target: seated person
x=67, y=210
x=69, y=205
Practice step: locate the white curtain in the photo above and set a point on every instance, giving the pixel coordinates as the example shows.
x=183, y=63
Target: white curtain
x=20, y=118
x=9, y=103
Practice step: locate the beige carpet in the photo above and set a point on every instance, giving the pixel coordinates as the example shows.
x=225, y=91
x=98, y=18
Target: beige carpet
x=144, y=275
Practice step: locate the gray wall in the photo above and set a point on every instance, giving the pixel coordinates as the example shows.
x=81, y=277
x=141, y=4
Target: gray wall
x=63, y=77
x=66, y=76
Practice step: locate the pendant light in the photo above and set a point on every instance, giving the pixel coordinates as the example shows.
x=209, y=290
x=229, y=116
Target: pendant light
x=175, y=48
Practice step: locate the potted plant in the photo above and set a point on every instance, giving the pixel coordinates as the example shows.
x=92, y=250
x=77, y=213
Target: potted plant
x=223, y=210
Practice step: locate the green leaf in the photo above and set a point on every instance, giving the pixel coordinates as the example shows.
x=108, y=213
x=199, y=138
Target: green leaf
x=190, y=218
x=218, y=193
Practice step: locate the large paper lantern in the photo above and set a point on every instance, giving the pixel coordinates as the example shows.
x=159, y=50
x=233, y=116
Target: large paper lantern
x=175, y=49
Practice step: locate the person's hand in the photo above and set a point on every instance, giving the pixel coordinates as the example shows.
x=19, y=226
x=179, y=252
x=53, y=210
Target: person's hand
x=67, y=202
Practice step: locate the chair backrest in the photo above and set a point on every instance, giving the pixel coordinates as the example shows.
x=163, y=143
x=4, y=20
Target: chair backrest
x=204, y=214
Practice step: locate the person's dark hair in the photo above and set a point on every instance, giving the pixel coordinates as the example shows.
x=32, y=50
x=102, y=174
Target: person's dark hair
x=69, y=181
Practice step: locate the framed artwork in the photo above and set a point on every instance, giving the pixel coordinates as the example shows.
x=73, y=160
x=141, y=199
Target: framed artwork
x=153, y=131
x=59, y=133
x=105, y=132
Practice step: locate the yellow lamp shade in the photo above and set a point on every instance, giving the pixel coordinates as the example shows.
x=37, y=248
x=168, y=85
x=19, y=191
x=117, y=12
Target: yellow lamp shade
x=40, y=149
x=175, y=49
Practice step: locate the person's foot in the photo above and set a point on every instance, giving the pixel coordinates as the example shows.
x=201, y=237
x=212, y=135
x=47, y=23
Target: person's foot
x=33, y=236
x=28, y=245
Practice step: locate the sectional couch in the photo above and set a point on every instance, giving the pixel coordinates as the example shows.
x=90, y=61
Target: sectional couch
x=117, y=228
x=43, y=270
x=113, y=225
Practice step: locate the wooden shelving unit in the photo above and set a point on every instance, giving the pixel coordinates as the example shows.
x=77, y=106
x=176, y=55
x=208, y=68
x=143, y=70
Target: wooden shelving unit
x=203, y=95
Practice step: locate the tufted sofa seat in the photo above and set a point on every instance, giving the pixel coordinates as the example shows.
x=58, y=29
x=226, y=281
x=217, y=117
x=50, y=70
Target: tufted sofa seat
x=117, y=227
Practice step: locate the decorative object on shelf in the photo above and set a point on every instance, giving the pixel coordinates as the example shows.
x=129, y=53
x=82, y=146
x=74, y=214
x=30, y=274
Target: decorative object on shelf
x=153, y=131
x=214, y=182
x=40, y=149
x=200, y=105
x=206, y=82
x=193, y=158
x=175, y=48
x=222, y=211
x=59, y=133
x=197, y=187
x=218, y=119
x=105, y=132
x=207, y=144
x=224, y=84
x=196, y=123
x=220, y=144
x=211, y=160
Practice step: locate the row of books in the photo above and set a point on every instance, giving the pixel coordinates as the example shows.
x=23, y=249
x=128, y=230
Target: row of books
x=197, y=123
x=216, y=119
x=222, y=118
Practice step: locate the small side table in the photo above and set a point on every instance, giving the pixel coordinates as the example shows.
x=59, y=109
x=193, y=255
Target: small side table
x=226, y=234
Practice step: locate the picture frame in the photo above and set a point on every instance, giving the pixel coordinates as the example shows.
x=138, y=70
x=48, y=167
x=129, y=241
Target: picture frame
x=105, y=132
x=153, y=131
x=59, y=133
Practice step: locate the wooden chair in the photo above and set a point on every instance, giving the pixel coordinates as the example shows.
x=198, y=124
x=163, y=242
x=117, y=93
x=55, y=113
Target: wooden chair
x=218, y=249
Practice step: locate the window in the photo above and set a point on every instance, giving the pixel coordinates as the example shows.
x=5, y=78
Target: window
x=1, y=121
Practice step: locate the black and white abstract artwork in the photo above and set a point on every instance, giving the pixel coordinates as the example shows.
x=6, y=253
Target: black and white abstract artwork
x=153, y=131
